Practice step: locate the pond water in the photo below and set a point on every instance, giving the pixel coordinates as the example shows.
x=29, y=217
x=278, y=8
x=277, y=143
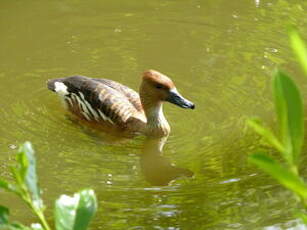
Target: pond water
x=220, y=54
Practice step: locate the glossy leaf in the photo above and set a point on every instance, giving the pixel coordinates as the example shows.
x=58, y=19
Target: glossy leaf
x=299, y=48
x=289, y=108
x=86, y=209
x=65, y=212
x=281, y=174
x=266, y=133
x=27, y=172
x=75, y=213
x=4, y=213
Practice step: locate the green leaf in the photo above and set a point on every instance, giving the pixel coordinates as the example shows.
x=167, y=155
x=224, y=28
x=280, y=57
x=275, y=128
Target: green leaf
x=65, y=212
x=4, y=213
x=289, y=109
x=86, y=209
x=27, y=173
x=266, y=133
x=298, y=47
x=281, y=174
x=75, y=213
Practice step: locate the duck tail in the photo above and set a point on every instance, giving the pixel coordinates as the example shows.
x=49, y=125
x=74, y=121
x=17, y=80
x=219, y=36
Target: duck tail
x=51, y=85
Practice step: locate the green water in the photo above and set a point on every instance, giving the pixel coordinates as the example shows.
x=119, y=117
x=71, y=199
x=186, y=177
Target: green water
x=220, y=54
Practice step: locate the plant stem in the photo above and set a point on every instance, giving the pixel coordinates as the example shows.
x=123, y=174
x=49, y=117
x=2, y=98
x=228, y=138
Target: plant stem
x=37, y=212
x=42, y=219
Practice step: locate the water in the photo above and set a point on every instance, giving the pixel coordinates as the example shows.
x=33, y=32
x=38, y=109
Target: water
x=219, y=53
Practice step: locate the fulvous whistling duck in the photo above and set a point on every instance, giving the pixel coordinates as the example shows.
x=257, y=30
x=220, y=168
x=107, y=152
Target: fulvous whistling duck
x=111, y=104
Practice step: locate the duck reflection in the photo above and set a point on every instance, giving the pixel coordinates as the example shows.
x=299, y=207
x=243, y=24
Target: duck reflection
x=157, y=169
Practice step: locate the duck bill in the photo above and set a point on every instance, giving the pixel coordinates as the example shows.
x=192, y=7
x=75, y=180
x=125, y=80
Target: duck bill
x=176, y=98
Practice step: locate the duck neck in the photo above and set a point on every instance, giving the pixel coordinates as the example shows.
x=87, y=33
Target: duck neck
x=156, y=125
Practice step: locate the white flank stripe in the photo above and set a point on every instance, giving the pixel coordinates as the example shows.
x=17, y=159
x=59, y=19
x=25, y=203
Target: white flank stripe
x=69, y=100
x=126, y=114
x=85, y=111
x=81, y=104
x=84, y=105
x=104, y=117
x=82, y=97
x=75, y=99
x=88, y=105
x=86, y=116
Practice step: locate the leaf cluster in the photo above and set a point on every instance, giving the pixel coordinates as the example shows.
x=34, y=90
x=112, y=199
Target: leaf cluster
x=71, y=213
x=290, y=137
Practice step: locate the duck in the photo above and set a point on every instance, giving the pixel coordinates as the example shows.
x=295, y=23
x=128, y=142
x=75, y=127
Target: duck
x=114, y=106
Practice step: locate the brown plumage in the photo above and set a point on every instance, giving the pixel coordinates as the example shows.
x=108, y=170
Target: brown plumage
x=110, y=104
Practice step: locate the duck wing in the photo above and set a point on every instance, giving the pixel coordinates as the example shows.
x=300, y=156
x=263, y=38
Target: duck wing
x=97, y=99
x=130, y=94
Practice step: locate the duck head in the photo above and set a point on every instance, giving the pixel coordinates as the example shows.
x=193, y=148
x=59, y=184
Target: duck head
x=156, y=87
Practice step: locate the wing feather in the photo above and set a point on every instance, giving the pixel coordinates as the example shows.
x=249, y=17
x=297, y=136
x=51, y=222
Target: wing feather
x=130, y=94
x=102, y=99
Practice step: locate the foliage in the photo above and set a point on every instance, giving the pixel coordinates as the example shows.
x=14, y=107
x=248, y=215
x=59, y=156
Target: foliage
x=290, y=116
x=71, y=213
x=75, y=212
x=299, y=48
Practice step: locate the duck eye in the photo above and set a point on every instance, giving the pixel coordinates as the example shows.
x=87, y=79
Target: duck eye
x=159, y=86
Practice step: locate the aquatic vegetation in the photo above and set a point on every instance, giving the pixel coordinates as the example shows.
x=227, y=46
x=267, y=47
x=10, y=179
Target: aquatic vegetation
x=289, y=141
x=71, y=213
x=299, y=48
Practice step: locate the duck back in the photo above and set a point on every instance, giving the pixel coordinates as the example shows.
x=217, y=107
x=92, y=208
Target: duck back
x=99, y=101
